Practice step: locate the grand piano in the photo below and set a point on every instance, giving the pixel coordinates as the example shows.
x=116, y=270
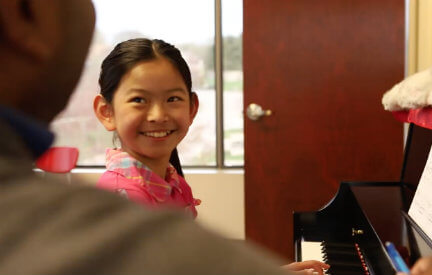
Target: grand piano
x=350, y=231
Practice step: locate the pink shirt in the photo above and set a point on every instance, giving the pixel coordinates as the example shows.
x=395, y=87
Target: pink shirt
x=131, y=178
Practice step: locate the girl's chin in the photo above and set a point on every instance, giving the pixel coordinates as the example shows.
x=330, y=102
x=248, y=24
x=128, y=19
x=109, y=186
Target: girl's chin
x=155, y=155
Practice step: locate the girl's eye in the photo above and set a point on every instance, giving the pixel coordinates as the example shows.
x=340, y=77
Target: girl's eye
x=138, y=100
x=174, y=98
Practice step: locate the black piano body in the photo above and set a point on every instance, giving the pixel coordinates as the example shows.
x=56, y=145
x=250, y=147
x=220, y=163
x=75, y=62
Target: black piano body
x=367, y=214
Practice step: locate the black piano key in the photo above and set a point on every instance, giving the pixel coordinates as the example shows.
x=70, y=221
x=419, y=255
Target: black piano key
x=337, y=244
x=336, y=271
x=344, y=258
x=340, y=251
x=341, y=256
x=340, y=267
x=347, y=264
x=335, y=251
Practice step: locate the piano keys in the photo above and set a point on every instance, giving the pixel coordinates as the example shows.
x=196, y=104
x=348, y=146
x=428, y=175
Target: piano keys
x=343, y=258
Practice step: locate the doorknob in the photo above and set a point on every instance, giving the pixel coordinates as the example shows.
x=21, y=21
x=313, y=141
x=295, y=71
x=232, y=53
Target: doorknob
x=255, y=112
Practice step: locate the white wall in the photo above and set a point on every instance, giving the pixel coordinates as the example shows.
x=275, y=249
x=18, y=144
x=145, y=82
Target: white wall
x=222, y=195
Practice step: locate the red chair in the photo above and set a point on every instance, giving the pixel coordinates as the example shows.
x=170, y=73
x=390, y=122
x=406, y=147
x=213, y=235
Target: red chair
x=58, y=160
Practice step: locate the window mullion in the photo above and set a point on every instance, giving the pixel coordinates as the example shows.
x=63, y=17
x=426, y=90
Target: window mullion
x=219, y=85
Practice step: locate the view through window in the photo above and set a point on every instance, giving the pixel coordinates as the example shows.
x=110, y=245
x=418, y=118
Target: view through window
x=189, y=25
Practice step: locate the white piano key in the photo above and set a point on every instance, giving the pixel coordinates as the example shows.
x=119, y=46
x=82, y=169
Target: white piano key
x=311, y=251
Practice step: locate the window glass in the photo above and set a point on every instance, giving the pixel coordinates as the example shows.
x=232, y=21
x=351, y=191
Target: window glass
x=232, y=29
x=188, y=24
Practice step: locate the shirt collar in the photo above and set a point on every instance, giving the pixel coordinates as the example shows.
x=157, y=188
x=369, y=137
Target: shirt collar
x=35, y=135
x=122, y=163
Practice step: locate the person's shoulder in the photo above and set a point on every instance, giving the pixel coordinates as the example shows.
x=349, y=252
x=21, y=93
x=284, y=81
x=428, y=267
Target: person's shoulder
x=80, y=229
x=35, y=191
x=74, y=208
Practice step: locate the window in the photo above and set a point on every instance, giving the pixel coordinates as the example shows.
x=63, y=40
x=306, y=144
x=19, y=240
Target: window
x=190, y=25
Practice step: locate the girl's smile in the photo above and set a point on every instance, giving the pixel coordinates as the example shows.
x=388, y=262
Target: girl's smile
x=157, y=134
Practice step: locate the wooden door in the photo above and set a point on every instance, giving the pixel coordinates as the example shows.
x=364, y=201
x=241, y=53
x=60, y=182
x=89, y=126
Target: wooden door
x=321, y=67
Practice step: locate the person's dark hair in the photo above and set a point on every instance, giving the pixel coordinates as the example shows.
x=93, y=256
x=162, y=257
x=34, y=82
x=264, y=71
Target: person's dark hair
x=128, y=53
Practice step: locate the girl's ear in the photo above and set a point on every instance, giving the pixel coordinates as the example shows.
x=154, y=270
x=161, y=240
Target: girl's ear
x=104, y=112
x=194, y=106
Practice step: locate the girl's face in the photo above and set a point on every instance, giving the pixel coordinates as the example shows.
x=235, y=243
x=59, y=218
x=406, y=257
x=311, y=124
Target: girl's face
x=152, y=110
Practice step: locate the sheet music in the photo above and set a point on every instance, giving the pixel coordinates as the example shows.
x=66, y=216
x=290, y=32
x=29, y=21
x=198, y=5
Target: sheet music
x=421, y=206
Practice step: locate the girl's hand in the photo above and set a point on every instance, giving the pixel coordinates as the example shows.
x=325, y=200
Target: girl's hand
x=423, y=266
x=307, y=267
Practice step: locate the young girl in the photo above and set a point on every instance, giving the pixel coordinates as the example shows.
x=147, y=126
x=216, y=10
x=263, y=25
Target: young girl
x=146, y=98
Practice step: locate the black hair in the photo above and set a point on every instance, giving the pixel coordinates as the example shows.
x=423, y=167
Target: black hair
x=128, y=53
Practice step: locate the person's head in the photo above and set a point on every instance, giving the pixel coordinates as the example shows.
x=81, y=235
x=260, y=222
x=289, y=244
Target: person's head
x=43, y=45
x=146, y=97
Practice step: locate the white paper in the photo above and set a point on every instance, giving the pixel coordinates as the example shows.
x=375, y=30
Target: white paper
x=421, y=206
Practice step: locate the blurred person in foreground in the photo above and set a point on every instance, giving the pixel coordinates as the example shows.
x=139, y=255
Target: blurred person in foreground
x=51, y=228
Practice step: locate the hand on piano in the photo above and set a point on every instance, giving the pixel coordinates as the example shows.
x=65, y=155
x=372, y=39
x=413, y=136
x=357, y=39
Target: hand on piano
x=310, y=267
x=423, y=266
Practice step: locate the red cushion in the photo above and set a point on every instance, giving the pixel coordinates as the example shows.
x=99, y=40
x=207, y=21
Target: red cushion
x=421, y=117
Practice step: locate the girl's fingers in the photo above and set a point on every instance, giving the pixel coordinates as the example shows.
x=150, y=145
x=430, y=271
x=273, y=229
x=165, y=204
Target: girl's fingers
x=308, y=267
x=422, y=266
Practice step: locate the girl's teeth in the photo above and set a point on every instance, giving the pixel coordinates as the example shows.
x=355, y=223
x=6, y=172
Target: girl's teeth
x=157, y=134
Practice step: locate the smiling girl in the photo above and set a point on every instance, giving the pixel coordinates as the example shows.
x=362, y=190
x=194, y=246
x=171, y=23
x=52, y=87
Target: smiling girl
x=146, y=98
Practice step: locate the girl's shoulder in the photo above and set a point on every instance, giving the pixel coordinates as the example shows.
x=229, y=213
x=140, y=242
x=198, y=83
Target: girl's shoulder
x=108, y=180
x=113, y=180
x=184, y=185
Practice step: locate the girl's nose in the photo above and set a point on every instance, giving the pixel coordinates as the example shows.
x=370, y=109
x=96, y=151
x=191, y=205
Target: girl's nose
x=156, y=113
